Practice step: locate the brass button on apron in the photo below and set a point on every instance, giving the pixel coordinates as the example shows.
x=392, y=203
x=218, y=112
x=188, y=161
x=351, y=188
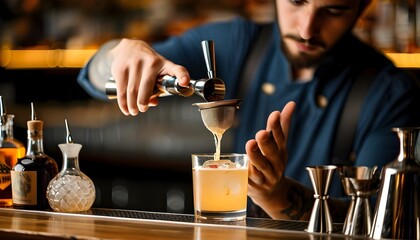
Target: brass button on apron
x=321, y=101
x=268, y=88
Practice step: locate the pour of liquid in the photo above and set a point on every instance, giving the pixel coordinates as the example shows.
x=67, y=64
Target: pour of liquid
x=218, y=129
x=218, y=134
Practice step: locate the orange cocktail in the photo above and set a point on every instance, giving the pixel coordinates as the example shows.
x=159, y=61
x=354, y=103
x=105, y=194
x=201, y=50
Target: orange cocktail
x=220, y=186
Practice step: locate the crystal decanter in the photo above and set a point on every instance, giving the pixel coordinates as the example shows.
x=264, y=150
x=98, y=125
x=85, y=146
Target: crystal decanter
x=71, y=190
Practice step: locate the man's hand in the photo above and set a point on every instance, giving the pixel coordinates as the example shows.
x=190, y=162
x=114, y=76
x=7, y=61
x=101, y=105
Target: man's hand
x=135, y=66
x=268, y=158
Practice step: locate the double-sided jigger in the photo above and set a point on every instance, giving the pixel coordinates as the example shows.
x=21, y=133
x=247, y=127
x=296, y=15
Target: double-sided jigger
x=360, y=183
x=320, y=220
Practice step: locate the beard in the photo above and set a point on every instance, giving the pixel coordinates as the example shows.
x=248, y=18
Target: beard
x=304, y=60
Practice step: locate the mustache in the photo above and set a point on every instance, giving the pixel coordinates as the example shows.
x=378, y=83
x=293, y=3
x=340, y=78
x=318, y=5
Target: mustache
x=309, y=42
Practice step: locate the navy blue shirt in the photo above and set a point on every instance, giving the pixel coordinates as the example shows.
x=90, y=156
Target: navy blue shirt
x=392, y=100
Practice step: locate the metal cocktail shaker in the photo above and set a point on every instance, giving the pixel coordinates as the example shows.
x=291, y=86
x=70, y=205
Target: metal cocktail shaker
x=397, y=213
x=211, y=88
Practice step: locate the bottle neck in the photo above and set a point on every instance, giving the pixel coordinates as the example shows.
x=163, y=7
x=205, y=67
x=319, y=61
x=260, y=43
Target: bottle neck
x=6, y=136
x=35, y=145
x=9, y=126
x=3, y=128
x=70, y=164
x=3, y=132
x=408, y=138
x=70, y=158
x=6, y=126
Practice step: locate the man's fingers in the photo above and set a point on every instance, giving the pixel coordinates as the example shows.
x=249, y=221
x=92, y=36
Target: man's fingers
x=256, y=157
x=267, y=144
x=255, y=175
x=180, y=72
x=132, y=90
x=286, y=117
x=260, y=161
x=121, y=79
x=274, y=127
x=279, y=122
x=136, y=66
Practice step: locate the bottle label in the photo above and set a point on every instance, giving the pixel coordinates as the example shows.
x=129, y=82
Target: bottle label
x=4, y=170
x=24, y=187
x=4, y=180
x=8, y=158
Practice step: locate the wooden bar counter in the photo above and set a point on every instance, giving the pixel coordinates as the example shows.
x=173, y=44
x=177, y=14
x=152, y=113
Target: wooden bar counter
x=127, y=224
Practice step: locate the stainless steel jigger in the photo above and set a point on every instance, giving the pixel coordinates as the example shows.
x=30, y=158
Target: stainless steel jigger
x=218, y=116
x=211, y=89
x=320, y=220
x=360, y=183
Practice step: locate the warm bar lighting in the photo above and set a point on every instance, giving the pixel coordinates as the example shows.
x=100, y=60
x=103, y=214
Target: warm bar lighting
x=405, y=60
x=61, y=58
x=75, y=58
x=58, y=58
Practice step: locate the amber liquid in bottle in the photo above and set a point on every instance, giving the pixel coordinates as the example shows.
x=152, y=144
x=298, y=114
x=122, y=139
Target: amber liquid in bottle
x=10, y=150
x=32, y=173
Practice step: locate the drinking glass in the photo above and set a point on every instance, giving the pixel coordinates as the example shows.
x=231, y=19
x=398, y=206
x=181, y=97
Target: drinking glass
x=220, y=186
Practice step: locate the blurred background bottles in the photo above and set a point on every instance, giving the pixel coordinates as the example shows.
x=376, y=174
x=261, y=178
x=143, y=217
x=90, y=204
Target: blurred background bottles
x=33, y=172
x=391, y=25
x=10, y=150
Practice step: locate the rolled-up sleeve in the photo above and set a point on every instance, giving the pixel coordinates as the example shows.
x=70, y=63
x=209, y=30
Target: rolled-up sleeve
x=84, y=82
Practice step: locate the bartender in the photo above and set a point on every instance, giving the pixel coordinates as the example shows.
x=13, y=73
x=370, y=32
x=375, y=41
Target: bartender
x=292, y=107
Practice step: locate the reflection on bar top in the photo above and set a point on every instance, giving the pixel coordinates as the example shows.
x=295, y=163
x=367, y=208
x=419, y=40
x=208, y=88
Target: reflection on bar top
x=134, y=215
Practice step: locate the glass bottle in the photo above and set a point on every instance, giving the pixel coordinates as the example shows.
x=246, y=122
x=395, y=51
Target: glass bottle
x=10, y=150
x=397, y=211
x=33, y=172
x=71, y=190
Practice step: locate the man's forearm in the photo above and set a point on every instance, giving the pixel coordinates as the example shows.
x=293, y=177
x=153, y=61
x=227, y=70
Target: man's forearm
x=299, y=202
x=288, y=200
x=294, y=201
